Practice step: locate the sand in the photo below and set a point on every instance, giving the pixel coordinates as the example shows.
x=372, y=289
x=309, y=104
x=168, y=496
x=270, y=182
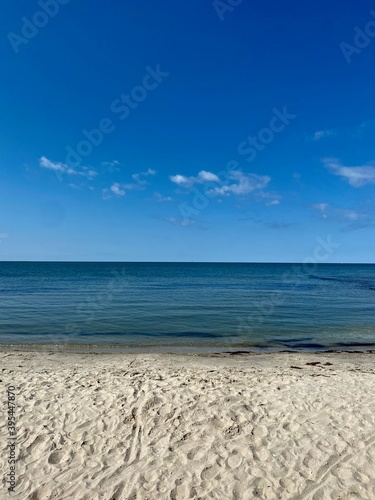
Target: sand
x=168, y=426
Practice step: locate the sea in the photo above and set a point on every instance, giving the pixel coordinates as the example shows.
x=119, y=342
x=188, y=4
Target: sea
x=212, y=307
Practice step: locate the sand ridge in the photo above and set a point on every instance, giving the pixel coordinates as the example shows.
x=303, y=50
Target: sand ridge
x=159, y=426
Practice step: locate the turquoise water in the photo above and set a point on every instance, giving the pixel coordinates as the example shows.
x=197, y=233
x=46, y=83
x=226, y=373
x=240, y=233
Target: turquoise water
x=188, y=305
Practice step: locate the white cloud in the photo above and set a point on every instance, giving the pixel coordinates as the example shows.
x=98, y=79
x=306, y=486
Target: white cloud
x=356, y=176
x=186, y=222
x=120, y=189
x=111, y=166
x=63, y=168
x=116, y=188
x=148, y=172
x=320, y=134
x=322, y=207
x=205, y=176
x=182, y=180
x=269, y=199
x=110, y=163
x=57, y=167
x=238, y=183
x=160, y=198
x=352, y=132
x=132, y=186
x=243, y=184
x=352, y=219
x=351, y=215
x=90, y=173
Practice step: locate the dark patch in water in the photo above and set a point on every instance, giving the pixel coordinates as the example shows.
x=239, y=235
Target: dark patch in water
x=356, y=344
x=351, y=281
x=285, y=341
x=307, y=346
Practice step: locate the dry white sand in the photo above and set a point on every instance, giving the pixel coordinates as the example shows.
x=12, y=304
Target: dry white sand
x=159, y=426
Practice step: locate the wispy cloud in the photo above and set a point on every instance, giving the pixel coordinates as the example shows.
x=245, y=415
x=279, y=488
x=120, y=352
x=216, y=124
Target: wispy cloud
x=186, y=223
x=269, y=223
x=356, y=176
x=238, y=183
x=180, y=221
x=111, y=166
x=321, y=134
x=352, y=219
x=269, y=199
x=365, y=128
x=321, y=208
x=63, y=168
x=242, y=184
x=160, y=198
x=278, y=225
x=203, y=177
x=149, y=172
x=110, y=163
x=118, y=189
x=182, y=180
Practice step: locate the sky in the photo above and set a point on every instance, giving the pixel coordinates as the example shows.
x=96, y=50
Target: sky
x=224, y=131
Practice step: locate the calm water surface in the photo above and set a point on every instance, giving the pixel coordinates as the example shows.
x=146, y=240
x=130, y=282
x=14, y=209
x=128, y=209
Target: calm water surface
x=201, y=305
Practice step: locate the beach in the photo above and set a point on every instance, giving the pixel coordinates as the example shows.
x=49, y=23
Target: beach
x=167, y=426
x=157, y=426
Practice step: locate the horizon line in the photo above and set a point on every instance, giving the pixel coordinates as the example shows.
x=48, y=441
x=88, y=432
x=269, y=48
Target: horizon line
x=179, y=262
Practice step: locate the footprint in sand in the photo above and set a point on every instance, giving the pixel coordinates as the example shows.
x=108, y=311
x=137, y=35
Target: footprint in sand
x=234, y=461
x=56, y=457
x=260, y=431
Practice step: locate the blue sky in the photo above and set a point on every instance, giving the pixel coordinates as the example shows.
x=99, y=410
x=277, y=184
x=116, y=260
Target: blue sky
x=187, y=131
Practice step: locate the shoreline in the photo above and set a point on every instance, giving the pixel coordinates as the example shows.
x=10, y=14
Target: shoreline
x=256, y=349
x=156, y=426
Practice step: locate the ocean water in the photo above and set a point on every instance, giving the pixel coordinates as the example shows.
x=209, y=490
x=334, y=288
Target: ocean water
x=183, y=305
